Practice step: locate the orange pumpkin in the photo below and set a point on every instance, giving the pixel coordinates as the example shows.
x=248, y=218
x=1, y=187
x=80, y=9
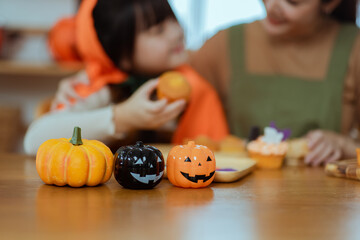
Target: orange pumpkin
x=62, y=41
x=75, y=162
x=191, y=166
x=173, y=86
x=358, y=155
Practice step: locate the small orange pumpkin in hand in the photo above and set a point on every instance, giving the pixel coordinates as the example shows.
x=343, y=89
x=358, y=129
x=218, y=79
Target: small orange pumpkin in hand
x=191, y=166
x=75, y=162
x=173, y=86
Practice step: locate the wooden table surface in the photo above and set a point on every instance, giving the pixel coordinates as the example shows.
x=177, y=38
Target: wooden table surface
x=292, y=203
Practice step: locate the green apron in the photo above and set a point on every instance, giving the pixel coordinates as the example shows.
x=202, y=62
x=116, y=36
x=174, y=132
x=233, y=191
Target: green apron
x=291, y=102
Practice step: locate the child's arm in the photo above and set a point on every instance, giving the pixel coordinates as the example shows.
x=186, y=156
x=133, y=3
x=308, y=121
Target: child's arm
x=70, y=99
x=139, y=112
x=105, y=124
x=95, y=124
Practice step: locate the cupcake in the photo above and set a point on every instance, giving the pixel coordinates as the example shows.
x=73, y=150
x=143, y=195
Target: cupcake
x=269, y=150
x=173, y=86
x=232, y=144
x=358, y=155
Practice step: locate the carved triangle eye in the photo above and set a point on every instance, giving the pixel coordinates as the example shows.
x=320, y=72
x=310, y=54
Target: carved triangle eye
x=188, y=160
x=138, y=162
x=208, y=159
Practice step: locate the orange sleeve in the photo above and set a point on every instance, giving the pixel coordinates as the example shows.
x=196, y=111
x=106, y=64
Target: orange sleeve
x=204, y=114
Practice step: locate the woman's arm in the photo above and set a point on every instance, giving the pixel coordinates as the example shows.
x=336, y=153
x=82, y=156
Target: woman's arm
x=354, y=97
x=212, y=62
x=357, y=89
x=328, y=146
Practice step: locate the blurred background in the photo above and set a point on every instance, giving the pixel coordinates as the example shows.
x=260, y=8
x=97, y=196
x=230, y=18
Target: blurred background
x=29, y=73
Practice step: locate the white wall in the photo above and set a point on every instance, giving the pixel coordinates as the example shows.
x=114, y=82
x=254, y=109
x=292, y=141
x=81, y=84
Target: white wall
x=200, y=18
x=34, y=13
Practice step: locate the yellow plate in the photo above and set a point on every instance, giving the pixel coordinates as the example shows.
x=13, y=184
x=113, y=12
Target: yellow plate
x=242, y=166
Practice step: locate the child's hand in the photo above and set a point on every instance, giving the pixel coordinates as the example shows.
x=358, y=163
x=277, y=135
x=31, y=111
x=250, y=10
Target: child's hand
x=139, y=112
x=326, y=146
x=66, y=93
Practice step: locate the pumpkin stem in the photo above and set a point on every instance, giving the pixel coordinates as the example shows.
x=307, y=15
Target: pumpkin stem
x=76, y=138
x=139, y=144
x=191, y=144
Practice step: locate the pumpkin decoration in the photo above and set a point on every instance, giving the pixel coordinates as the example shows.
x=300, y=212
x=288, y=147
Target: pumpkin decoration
x=75, y=162
x=62, y=41
x=139, y=166
x=173, y=86
x=191, y=166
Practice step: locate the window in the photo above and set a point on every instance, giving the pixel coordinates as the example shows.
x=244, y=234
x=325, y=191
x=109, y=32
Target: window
x=203, y=18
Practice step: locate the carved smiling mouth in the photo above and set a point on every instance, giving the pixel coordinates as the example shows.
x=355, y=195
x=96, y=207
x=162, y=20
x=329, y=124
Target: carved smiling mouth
x=147, y=178
x=197, y=177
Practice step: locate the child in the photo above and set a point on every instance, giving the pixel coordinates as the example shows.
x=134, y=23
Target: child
x=125, y=43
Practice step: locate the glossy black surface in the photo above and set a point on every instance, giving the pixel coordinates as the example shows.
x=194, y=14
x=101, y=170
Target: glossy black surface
x=139, y=166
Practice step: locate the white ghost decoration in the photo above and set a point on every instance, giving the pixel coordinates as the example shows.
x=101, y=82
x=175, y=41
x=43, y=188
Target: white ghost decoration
x=272, y=136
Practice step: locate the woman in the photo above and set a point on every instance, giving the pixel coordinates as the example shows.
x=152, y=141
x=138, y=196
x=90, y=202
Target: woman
x=299, y=67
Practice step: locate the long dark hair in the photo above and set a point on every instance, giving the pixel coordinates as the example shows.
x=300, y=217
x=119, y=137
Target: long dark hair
x=346, y=11
x=117, y=22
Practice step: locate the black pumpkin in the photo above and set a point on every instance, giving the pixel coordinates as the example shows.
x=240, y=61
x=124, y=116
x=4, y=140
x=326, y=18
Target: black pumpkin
x=139, y=166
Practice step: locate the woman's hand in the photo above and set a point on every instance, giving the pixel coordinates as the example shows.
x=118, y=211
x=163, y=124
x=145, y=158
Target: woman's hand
x=326, y=146
x=139, y=112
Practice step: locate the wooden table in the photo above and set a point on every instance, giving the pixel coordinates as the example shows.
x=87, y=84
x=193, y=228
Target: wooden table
x=292, y=203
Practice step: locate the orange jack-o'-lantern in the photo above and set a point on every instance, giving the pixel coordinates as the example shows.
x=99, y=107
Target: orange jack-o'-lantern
x=191, y=166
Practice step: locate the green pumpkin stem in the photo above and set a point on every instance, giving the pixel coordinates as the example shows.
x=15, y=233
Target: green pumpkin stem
x=76, y=138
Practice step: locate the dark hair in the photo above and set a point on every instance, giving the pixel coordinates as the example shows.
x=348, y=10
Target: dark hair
x=117, y=22
x=346, y=11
